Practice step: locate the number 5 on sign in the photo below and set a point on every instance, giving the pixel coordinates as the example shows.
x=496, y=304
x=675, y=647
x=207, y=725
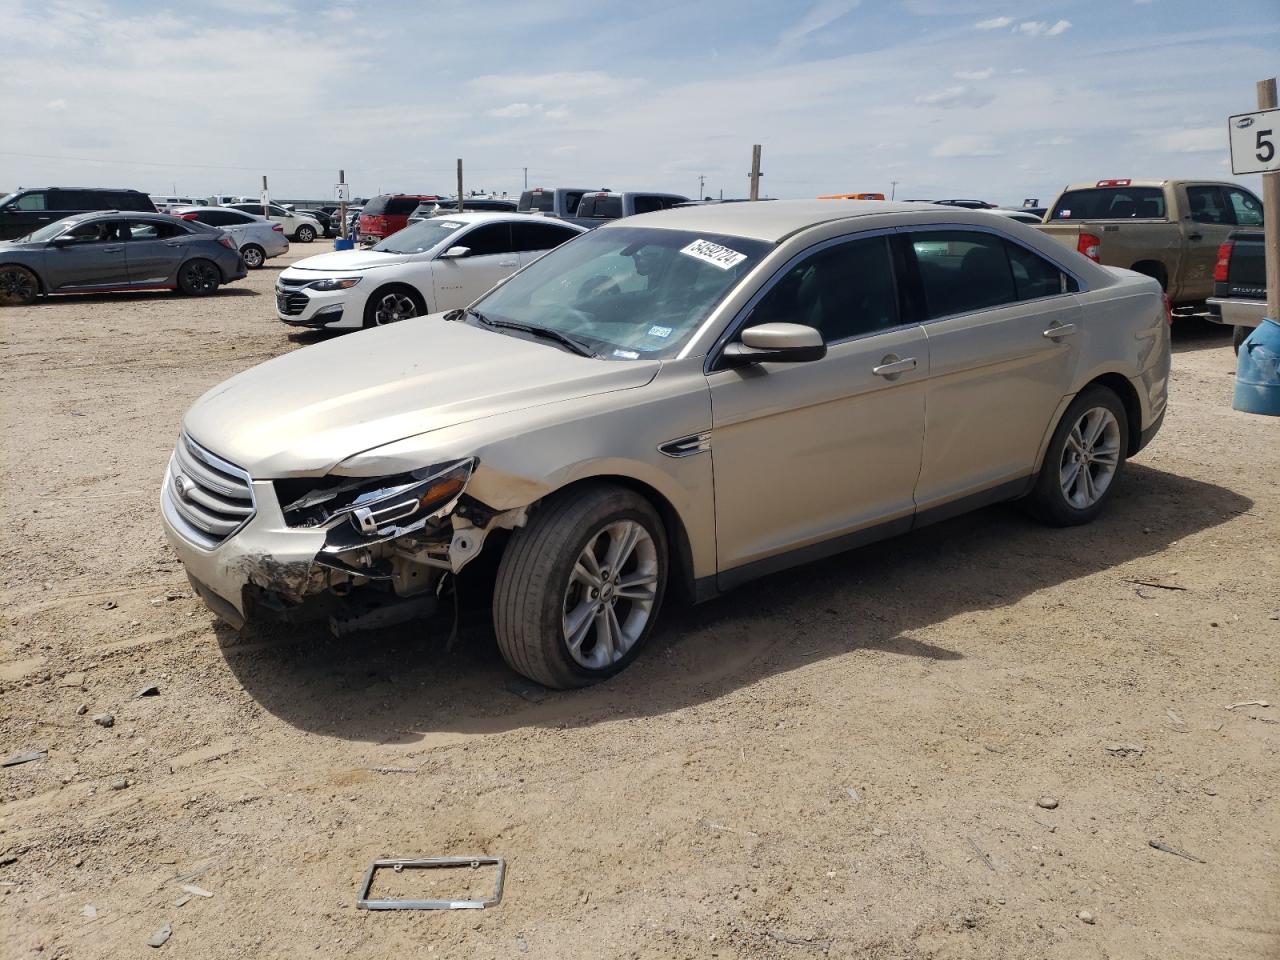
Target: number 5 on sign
x=1255, y=141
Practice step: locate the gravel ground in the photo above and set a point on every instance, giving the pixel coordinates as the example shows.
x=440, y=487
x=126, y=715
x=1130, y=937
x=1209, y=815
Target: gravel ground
x=961, y=743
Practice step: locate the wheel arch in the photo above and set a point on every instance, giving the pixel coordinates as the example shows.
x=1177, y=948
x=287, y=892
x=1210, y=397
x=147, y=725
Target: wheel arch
x=1155, y=269
x=1122, y=388
x=681, y=576
x=418, y=296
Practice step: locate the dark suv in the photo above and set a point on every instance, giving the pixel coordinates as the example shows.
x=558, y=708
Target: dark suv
x=31, y=209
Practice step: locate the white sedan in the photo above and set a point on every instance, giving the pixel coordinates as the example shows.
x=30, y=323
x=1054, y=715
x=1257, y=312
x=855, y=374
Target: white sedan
x=439, y=264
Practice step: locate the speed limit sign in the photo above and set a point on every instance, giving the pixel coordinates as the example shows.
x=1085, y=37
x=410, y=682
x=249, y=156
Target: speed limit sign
x=1255, y=141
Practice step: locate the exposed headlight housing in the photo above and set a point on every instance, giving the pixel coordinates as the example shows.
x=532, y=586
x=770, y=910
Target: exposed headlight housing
x=335, y=283
x=361, y=511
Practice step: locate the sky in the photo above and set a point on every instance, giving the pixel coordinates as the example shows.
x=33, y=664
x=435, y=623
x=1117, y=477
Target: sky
x=1000, y=101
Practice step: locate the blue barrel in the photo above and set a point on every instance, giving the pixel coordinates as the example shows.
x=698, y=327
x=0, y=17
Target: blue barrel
x=341, y=244
x=1258, y=371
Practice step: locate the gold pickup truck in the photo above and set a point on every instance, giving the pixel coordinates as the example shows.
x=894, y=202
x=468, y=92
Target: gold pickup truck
x=1166, y=229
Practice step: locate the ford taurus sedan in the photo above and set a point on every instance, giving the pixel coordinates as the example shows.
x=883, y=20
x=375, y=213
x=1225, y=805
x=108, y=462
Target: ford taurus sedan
x=96, y=252
x=428, y=267
x=674, y=403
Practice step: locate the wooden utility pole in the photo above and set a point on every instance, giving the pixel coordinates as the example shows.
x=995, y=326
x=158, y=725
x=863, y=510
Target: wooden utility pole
x=755, y=171
x=459, y=184
x=1271, y=207
x=342, y=206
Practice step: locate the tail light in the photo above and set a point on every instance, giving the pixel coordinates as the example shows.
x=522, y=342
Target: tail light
x=1168, y=309
x=227, y=242
x=187, y=216
x=277, y=227
x=1223, y=266
x=1088, y=244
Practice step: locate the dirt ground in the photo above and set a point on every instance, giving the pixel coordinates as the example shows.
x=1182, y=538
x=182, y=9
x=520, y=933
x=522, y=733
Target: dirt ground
x=845, y=760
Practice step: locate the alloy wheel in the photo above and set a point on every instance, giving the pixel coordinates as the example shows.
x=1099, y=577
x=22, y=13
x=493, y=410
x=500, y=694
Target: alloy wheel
x=611, y=594
x=201, y=277
x=252, y=258
x=1090, y=457
x=394, y=307
x=16, y=287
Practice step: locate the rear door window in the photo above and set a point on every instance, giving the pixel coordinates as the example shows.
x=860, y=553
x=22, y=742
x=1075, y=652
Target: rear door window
x=400, y=206
x=1034, y=276
x=128, y=200
x=539, y=236
x=152, y=230
x=843, y=291
x=1110, y=203
x=1207, y=205
x=30, y=201
x=647, y=204
x=1246, y=207
x=487, y=240
x=961, y=271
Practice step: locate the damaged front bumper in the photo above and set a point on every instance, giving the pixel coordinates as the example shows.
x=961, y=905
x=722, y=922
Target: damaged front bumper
x=350, y=549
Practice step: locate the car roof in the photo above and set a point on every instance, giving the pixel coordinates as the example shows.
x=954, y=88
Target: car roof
x=498, y=216
x=773, y=221
x=1112, y=185
x=201, y=208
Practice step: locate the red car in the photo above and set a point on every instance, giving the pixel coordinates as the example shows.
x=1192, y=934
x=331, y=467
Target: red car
x=384, y=215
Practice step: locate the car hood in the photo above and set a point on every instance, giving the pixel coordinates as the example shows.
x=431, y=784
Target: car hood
x=305, y=412
x=341, y=260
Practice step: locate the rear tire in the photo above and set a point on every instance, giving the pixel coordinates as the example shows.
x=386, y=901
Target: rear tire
x=580, y=586
x=254, y=256
x=304, y=234
x=1238, y=336
x=18, y=286
x=1085, y=460
x=198, y=278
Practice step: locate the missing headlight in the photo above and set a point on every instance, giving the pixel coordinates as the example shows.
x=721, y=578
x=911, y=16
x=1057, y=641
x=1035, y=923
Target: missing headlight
x=360, y=511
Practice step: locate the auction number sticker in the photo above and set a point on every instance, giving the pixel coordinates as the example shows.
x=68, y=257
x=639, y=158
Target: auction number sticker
x=714, y=254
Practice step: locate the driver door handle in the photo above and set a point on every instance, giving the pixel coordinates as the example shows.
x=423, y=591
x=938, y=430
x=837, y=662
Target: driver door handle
x=1059, y=330
x=112, y=249
x=894, y=367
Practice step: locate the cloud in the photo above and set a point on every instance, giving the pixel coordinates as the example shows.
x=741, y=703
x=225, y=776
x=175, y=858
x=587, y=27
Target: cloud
x=1040, y=28
x=512, y=110
x=995, y=23
x=966, y=145
x=1194, y=140
x=984, y=74
x=1055, y=141
x=821, y=14
x=58, y=104
x=958, y=96
x=340, y=14
x=583, y=85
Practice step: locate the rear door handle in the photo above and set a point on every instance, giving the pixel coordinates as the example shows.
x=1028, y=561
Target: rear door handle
x=1195, y=236
x=1059, y=330
x=891, y=367
x=173, y=243
x=112, y=249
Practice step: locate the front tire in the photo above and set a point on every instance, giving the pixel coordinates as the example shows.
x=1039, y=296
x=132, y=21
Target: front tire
x=198, y=278
x=393, y=304
x=18, y=286
x=254, y=256
x=304, y=234
x=580, y=586
x=1085, y=459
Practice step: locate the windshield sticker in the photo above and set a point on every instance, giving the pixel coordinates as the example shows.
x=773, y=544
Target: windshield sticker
x=1064, y=214
x=626, y=354
x=449, y=224
x=662, y=332
x=714, y=254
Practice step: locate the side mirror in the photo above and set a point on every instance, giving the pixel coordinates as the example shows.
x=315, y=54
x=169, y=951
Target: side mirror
x=775, y=343
x=66, y=240
x=455, y=253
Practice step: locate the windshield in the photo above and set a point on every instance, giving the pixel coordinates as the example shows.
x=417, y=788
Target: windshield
x=418, y=237
x=4, y=201
x=49, y=231
x=629, y=292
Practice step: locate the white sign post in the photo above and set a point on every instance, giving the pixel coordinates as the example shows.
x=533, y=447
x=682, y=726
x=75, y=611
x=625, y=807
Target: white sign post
x=1255, y=142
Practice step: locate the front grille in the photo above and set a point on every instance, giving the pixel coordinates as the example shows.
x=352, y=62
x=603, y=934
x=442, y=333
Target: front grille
x=211, y=497
x=291, y=282
x=292, y=304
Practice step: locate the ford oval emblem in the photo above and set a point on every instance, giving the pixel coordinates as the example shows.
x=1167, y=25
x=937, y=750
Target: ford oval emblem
x=1244, y=123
